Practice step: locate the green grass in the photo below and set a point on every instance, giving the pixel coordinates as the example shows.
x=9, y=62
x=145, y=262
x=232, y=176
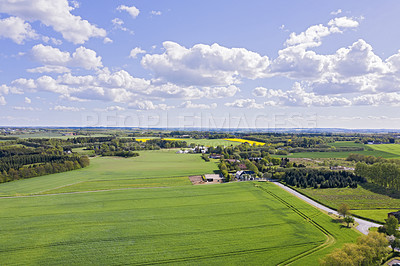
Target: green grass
x=234, y=223
x=150, y=164
x=361, y=200
x=338, y=144
x=388, y=148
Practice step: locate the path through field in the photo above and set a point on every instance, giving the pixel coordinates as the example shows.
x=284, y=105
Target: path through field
x=363, y=225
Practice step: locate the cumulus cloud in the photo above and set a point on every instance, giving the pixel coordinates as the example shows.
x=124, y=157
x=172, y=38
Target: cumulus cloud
x=205, y=65
x=17, y=30
x=260, y=92
x=2, y=100
x=343, y=22
x=49, y=69
x=55, y=14
x=391, y=98
x=337, y=12
x=132, y=10
x=107, y=40
x=245, y=103
x=190, y=105
x=56, y=61
x=298, y=96
x=27, y=100
x=26, y=108
x=135, y=51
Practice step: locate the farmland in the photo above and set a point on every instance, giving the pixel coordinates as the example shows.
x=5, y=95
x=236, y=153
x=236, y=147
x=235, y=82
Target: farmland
x=388, y=148
x=362, y=200
x=251, y=142
x=204, y=142
x=244, y=223
x=151, y=168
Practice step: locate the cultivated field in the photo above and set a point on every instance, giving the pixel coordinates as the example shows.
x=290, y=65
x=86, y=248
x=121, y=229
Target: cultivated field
x=388, y=148
x=152, y=168
x=251, y=142
x=236, y=223
x=362, y=201
x=204, y=142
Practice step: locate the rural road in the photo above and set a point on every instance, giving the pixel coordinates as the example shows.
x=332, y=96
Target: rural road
x=363, y=225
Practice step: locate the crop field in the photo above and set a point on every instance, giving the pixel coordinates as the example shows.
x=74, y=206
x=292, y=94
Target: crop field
x=388, y=148
x=105, y=172
x=235, y=223
x=251, y=142
x=205, y=142
x=362, y=200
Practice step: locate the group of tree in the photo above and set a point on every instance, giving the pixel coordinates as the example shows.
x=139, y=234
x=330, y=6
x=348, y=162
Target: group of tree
x=368, y=250
x=390, y=228
x=384, y=174
x=64, y=164
x=321, y=178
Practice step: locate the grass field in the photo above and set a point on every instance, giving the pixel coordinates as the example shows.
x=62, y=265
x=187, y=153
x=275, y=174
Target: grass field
x=236, y=223
x=105, y=172
x=362, y=201
x=389, y=148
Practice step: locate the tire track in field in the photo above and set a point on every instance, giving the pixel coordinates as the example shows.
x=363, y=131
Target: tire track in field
x=329, y=241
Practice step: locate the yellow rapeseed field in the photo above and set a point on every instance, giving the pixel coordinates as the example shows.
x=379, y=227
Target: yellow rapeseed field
x=251, y=142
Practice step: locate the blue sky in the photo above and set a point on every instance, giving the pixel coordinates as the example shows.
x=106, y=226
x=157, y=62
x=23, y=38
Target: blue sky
x=209, y=64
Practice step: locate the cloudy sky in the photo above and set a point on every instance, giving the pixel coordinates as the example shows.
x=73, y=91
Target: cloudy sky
x=208, y=64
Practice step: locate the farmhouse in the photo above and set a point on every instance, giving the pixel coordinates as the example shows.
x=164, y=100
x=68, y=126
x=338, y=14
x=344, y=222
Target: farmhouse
x=245, y=175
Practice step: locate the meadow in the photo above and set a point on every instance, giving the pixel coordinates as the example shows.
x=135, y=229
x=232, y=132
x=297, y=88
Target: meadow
x=361, y=200
x=234, y=223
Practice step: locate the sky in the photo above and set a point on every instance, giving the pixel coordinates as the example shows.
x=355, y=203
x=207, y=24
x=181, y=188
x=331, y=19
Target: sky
x=207, y=64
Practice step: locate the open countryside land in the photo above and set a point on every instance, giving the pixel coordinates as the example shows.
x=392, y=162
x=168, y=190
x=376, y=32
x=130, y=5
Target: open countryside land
x=135, y=203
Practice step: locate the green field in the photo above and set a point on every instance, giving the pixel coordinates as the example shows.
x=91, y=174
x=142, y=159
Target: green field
x=388, y=148
x=236, y=223
x=166, y=166
x=361, y=200
x=373, y=150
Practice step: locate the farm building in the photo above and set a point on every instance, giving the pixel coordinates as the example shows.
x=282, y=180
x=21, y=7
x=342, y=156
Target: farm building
x=245, y=175
x=395, y=214
x=213, y=178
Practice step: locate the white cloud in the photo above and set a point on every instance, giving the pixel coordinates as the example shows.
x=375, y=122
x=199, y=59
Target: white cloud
x=309, y=38
x=205, y=65
x=297, y=96
x=49, y=69
x=2, y=100
x=190, y=105
x=17, y=30
x=337, y=12
x=155, y=13
x=25, y=108
x=148, y=105
x=343, y=22
x=27, y=100
x=115, y=108
x=378, y=99
x=260, y=92
x=55, y=14
x=52, y=57
x=63, y=108
x=132, y=10
x=135, y=51
x=117, y=21
x=107, y=40
x=245, y=103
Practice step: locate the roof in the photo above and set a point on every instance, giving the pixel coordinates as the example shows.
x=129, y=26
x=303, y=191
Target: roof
x=213, y=176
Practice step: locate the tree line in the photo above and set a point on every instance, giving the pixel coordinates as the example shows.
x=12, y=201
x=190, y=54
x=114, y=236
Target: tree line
x=51, y=167
x=318, y=178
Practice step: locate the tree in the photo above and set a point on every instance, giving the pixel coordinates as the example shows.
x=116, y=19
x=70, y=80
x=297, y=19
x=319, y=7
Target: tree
x=349, y=220
x=343, y=209
x=391, y=225
x=394, y=242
